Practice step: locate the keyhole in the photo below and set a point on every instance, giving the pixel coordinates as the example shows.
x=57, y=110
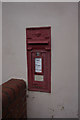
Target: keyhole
x=37, y=54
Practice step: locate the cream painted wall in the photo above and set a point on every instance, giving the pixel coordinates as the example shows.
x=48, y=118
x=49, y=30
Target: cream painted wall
x=63, y=19
x=0, y=59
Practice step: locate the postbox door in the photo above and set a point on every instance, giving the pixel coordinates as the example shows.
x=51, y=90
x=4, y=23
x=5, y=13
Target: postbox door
x=40, y=70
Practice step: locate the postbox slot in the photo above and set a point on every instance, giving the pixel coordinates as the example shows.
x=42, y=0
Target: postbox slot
x=38, y=42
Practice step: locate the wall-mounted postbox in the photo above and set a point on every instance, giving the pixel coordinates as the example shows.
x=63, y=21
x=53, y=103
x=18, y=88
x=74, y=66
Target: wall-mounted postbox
x=38, y=41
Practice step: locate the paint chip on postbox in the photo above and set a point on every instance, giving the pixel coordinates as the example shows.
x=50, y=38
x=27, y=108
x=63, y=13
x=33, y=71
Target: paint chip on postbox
x=38, y=65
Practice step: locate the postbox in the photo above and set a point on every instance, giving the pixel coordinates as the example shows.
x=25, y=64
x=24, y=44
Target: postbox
x=38, y=45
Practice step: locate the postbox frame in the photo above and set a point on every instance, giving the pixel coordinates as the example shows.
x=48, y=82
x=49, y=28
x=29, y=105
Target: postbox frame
x=43, y=47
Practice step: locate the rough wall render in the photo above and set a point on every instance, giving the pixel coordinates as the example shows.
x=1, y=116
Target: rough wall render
x=63, y=19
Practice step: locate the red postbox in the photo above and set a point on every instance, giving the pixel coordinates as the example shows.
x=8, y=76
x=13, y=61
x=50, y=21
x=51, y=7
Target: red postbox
x=38, y=44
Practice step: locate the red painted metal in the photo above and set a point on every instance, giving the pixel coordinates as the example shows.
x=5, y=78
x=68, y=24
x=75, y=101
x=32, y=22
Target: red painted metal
x=38, y=40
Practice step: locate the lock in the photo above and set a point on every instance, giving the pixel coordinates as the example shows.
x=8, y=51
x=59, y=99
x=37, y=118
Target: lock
x=38, y=44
